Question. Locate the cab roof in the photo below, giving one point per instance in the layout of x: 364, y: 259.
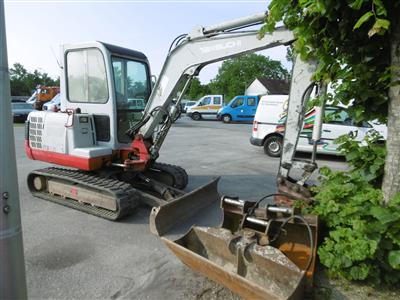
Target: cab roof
x: 124, y: 51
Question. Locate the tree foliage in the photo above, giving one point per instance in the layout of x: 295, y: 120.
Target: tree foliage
x: 236, y: 74
x: 350, y: 40
x: 196, y: 90
x: 23, y: 82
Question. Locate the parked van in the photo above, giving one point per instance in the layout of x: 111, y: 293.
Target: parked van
x: 206, y: 107
x: 188, y: 104
x: 269, y: 127
x: 240, y: 108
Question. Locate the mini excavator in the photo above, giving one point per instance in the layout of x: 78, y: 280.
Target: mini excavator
x: 107, y: 137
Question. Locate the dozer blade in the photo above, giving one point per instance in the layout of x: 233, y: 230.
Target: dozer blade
x: 258, y: 253
x: 171, y: 217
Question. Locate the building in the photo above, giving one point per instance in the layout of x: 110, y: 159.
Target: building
x: 267, y: 86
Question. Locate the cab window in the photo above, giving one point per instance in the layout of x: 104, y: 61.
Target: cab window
x: 365, y: 124
x: 251, y: 101
x: 86, y: 73
x: 238, y: 102
x: 337, y: 116
x: 131, y: 83
x: 132, y: 90
x: 205, y: 101
x: 217, y: 100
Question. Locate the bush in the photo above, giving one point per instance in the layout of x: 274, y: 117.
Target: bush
x: 363, y: 242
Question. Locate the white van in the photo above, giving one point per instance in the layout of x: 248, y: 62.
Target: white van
x: 206, y: 107
x: 268, y: 127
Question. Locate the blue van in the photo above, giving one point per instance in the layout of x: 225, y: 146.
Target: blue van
x: 240, y: 108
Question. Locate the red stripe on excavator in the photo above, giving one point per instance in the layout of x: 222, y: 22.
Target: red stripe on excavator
x: 81, y: 163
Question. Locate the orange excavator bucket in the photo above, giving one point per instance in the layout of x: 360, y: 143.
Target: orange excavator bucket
x: 257, y: 252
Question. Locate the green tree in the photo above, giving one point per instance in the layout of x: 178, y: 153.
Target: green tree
x: 196, y: 90
x: 237, y: 73
x: 23, y: 82
x: 290, y: 54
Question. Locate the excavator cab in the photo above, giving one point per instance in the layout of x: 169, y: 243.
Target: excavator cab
x: 104, y: 92
x: 109, y: 82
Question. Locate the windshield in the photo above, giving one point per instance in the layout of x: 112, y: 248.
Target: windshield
x: 132, y: 90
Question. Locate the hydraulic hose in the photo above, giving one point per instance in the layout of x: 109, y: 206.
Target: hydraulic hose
x: 310, y: 258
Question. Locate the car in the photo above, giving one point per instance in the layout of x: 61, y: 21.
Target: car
x: 20, y: 111
x: 188, y: 104
x: 269, y: 127
x: 240, y: 108
x: 136, y: 104
x: 205, y: 108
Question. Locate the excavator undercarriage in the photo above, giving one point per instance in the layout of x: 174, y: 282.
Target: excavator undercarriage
x: 110, y: 194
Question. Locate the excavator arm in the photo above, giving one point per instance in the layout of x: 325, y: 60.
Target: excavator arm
x: 189, y: 53
x: 204, y: 45
x: 248, y: 250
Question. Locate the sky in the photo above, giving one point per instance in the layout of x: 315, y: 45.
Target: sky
x: 36, y: 28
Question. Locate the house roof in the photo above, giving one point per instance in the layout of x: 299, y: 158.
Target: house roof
x: 275, y: 86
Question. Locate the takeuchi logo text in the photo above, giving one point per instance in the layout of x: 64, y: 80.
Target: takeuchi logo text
x: 221, y: 46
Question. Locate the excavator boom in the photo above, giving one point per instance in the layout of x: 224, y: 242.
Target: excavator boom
x: 191, y: 53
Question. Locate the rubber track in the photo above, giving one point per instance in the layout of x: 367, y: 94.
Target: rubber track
x: 126, y: 196
x: 180, y: 176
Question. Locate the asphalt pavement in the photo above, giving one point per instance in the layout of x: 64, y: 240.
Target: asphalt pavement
x: 70, y: 254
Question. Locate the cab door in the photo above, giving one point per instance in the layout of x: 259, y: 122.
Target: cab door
x: 203, y: 107
x: 216, y: 105
x: 237, y: 107
x: 217, y: 102
x: 250, y: 109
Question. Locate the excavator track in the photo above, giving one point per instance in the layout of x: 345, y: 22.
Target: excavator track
x: 178, y: 177
x: 65, y: 186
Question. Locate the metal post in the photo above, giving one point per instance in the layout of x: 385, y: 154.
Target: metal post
x: 319, y: 119
x: 12, y: 266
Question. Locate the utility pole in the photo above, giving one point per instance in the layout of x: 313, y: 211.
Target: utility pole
x: 12, y: 265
